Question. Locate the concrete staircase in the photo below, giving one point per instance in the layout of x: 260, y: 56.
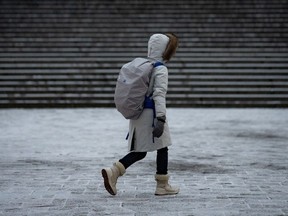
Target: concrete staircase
x: 68, y: 53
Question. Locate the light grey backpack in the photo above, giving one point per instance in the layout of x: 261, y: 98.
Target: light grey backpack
x: 132, y: 86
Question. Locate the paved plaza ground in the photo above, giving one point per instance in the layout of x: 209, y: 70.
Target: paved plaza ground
x: 226, y: 162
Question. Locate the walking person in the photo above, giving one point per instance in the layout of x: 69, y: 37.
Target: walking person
x: 150, y: 132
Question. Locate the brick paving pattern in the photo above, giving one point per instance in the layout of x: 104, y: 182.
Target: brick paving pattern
x: 226, y: 162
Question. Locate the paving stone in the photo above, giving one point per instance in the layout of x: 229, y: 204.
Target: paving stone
x: 221, y: 159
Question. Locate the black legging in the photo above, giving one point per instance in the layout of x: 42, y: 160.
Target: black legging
x: 161, y: 161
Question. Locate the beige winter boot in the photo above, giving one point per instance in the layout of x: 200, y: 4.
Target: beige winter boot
x: 111, y: 175
x: 163, y: 187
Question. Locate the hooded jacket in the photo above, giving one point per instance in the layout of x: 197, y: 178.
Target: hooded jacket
x: 140, y: 131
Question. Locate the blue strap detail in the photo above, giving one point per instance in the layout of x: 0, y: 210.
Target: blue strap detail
x: 149, y: 104
x: 154, y: 116
x: 158, y: 63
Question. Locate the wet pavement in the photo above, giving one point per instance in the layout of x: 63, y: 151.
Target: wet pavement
x: 225, y: 161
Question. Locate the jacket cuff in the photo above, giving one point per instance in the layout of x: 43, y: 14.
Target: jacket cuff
x: 161, y: 118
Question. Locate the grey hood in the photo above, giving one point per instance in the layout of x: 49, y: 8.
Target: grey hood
x: 157, y: 45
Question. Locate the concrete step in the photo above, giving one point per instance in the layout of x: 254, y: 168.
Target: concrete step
x: 155, y: 16
x: 175, y: 84
x: 119, y: 64
x: 173, y: 75
x: 275, y: 38
x: 49, y: 96
x: 201, y: 103
x: 224, y: 90
x: 113, y: 60
x: 143, y: 30
x: 211, y: 102
x: 145, y: 10
x: 44, y: 98
x: 143, y: 50
x: 152, y: 4
x: 131, y: 45
x: 176, y: 71
x: 138, y: 40
x: 109, y: 19
x: 147, y: 2
x: 110, y: 13
x: 65, y: 25
x: 104, y: 78
x: 253, y: 56
x: 90, y: 90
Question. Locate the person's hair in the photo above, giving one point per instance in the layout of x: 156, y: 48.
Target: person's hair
x: 171, y: 46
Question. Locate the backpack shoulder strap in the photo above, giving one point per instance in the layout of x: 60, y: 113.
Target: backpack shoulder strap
x: 157, y: 63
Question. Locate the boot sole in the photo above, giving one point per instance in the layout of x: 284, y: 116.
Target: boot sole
x: 106, y: 182
x: 165, y: 193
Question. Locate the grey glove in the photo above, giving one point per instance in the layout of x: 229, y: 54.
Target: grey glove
x: 159, y: 127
